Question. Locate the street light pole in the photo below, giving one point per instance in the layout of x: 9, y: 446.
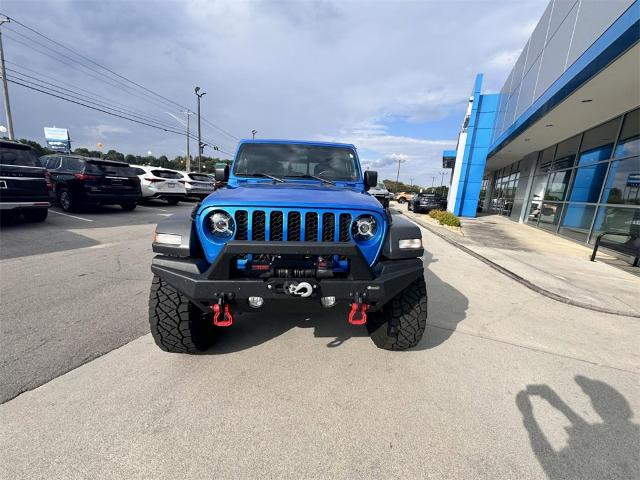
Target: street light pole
x: 5, y: 87
x: 199, y: 95
x: 398, y: 176
x: 253, y: 133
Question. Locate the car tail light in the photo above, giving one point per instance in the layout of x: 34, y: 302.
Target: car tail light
x: 47, y: 177
x: 84, y: 176
x: 153, y: 180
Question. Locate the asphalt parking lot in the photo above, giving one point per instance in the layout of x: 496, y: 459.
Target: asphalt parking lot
x: 505, y: 384
x: 73, y: 288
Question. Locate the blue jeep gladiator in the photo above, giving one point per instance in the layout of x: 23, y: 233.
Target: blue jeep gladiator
x: 295, y: 225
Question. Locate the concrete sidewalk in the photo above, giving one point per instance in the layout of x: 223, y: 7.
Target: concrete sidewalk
x: 551, y: 264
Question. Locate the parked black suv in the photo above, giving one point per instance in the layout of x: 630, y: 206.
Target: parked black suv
x: 425, y: 202
x: 78, y: 181
x: 23, y: 187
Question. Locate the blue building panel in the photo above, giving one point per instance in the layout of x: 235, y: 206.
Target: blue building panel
x: 479, y: 135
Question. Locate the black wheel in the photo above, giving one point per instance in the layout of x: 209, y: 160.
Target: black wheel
x: 401, y: 200
x: 177, y: 325
x: 38, y: 215
x: 402, y: 321
x: 409, y: 207
x: 127, y: 207
x: 172, y: 201
x: 66, y: 200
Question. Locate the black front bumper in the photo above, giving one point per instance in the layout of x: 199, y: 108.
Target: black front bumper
x: 204, y: 283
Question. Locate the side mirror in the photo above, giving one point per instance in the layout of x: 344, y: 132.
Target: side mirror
x: 222, y: 173
x: 370, y: 179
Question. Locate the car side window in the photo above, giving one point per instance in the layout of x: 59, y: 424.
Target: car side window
x: 53, y: 163
x: 139, y: 171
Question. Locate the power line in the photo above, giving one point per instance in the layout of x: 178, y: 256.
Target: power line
x: 62, y: 97
x: 41, y: 83
x: 217, y: 127
x: 108, y: 80
x: 62, y: 82
x: 101, y: 78
x: 95, y: 63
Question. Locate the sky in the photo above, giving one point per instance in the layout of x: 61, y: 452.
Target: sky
x: 391, y: 77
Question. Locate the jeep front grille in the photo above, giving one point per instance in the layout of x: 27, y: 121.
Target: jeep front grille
x: 293, y: 225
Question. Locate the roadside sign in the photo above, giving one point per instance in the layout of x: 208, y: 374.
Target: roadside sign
x: 57, y: 139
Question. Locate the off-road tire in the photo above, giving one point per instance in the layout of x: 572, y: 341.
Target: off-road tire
x: 177, y: 325
x: 402, y: 321
x: 36, y: 215
x: 173, y: 201
x: 129, y: 207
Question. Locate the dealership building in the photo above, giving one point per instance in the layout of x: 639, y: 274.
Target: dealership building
x: 559, y: 147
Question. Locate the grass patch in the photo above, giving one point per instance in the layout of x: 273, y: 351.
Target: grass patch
x: 445, y: 218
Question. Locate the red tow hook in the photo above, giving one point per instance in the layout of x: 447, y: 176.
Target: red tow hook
x: 360, y: 308
x: 227, y: 318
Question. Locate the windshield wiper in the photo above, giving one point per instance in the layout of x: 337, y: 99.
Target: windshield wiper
x: 308, y: 175
x: 263, y: 175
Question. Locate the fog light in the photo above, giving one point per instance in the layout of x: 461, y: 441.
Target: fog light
x: 168, y: 239
x: 256, y: 302
x: 328, y: 302
x: 410, y: 243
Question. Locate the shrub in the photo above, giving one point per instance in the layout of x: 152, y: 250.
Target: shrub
x: 445, y: 218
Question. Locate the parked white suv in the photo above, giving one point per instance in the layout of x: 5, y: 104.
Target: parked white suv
x: 198, y: 185
x: 156, y: 182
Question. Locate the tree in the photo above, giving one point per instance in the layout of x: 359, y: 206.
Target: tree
x: 39, y: 149
x: 114, y: 155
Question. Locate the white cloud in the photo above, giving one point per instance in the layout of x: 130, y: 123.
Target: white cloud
x: 303, y: 69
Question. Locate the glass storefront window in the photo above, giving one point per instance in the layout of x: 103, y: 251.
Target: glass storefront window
x: 544, y: 162
x: 597, y: 143
x: 550, y: 215
x: 557, y: 186
x: 625, y: 221
x: 587, y: 183
x: 629, y: 143
x: 576, y: 221
x: 566, y: 153
x: 623, y: 183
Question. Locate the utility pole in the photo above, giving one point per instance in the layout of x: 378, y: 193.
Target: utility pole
x: 398, y: 176
x: 253, y: 132
x: 5, y: 87
x: 200, y: 146
x: 433, y: 180
x: 442, y: 180
x: 187, y: 165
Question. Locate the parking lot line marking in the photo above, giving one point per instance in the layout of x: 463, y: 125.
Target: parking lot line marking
x: 72, y: 216
x: 153, y: 208
x: 164, y: 214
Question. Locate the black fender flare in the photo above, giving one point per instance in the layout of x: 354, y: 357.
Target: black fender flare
x: 181, y: 224
x: 401, y: 228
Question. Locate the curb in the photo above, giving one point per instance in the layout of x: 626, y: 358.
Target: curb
x: 521, y: 280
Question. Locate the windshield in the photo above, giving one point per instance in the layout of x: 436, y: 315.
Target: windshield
x: 23, y: 156
x: 282, y: 160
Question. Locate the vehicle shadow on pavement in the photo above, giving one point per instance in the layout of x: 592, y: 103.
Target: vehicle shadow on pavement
x: 252, y: 329
x: 593, y: 450
x: 447, y: 308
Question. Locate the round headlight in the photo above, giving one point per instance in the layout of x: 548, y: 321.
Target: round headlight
x: 364, y: 228
x: 221, y: 224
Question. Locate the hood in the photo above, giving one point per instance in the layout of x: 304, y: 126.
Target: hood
x: 293, y: 194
